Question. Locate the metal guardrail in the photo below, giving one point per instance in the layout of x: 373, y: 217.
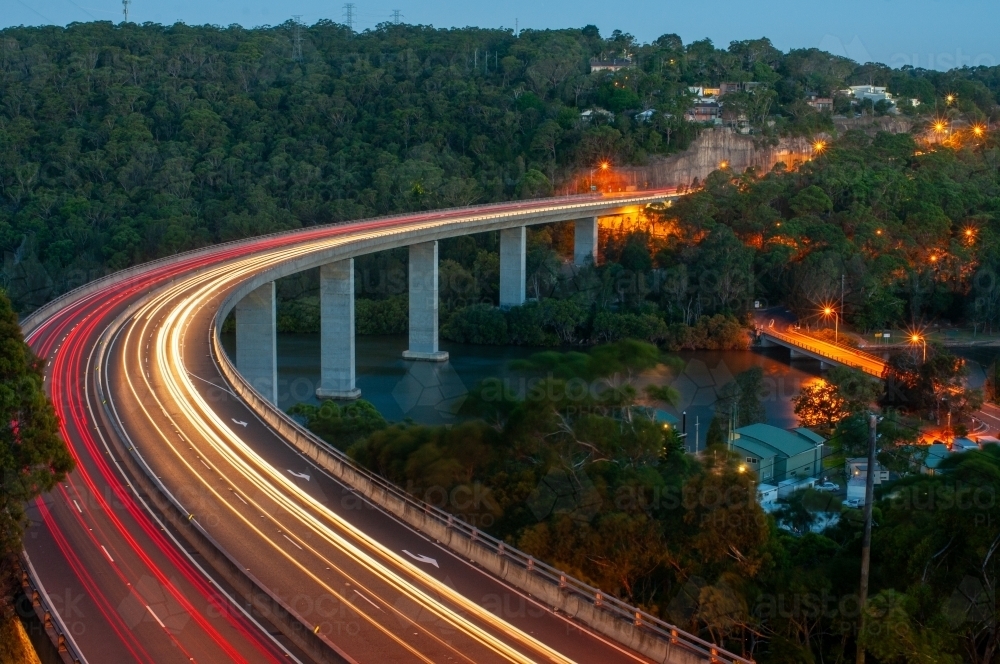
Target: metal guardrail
x: 798, y: 343
x: 51, y: 621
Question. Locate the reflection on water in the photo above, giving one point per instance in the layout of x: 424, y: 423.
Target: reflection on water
x: 431, y: 392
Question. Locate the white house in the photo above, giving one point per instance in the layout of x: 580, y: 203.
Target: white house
x: 856, y: 471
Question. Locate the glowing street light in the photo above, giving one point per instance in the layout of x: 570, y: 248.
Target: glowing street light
x: 949, y: 99
x: 915, y: 339
x: 603, y: 166
x: 830, y: 311
x: 819, y: 146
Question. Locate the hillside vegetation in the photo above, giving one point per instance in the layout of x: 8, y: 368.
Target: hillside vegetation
x: 123, y: 143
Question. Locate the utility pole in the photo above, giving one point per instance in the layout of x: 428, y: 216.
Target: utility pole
x: 866, y: 543
x: 696, y: 427
x: 349, y: 16
x: 395, y: 16
x: 297, y: 39
x: 125, y: 4
x: 841, y: 293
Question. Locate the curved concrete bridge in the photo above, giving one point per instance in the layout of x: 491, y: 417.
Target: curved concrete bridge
x: 158, y: 416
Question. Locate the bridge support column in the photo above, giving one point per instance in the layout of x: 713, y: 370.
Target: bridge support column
x: 585, y: 241
x: 336, y: 307
x: 256, y: 341
x: 512, y: 266
x: 795, y: 354
x: 424, y: 304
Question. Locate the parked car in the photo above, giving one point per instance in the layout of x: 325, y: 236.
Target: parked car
x: 828, y: 486
x: 853, y: 503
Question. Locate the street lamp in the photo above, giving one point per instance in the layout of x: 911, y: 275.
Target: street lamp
x: 828, y: 311
x: 604, y: 166
x: 916, y: 338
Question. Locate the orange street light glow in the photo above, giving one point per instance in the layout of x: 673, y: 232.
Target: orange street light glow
x: 605, y: 165
x: 723, y: 164
x: 819, y: 146
x: 828, y: 311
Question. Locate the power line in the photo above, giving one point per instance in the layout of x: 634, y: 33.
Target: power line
x: 349, y: 15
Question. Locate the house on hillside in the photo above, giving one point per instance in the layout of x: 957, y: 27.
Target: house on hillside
x: 935, y: 454
x: 821, y: 104
x: 704, y: 110
x: 778, y: 455
x: 856, y: 471
x: 744, y: 86
x: 613, y: 65
x: 703, y: 91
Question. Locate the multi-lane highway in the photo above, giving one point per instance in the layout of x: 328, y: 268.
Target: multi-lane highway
x: 143, y: 402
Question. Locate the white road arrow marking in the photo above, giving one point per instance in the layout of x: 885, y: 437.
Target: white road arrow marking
x: 299, y: 475
x: 422, y: 559
x: 242, y: 424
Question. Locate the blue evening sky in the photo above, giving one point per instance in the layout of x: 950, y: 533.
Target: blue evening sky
x: 934, y: 34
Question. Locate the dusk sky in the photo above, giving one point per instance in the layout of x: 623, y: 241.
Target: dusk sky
x: 924, y: 33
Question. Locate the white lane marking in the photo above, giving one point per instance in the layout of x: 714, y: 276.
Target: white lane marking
x: 369, y: 601
x: 301, y: 476
x: 291, y: 540
x: 155, y: 617
x: 107, y: 554
x: 78, y: 509
x: 242, y: 424
x: 240, y: 497
x: 422, y: 559
x: 209, y: 382
x: 205, y: 464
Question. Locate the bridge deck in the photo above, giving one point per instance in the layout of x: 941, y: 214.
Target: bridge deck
x: 826, y: 351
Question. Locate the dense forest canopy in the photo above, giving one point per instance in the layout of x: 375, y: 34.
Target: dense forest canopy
x: 122, y: 143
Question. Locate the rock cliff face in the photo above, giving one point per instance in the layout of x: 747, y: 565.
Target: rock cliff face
x: 713, y: 149
x: 718, y: 146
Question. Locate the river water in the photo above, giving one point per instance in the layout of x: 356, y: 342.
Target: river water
x: 430, y: 393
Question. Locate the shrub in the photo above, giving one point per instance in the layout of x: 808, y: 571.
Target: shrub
x: 477, y: 324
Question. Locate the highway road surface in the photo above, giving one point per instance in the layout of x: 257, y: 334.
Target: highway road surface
x: 136, y: 385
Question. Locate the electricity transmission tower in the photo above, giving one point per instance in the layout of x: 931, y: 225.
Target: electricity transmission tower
x: 396, y: 16
x: 297, y: 40
x: 349, y: 16
x: 125, y: 4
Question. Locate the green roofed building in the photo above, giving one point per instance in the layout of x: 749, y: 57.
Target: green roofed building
x: 777, y: 454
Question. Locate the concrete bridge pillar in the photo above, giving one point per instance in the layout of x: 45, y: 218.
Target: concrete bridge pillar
x: 424, y: 304
x: 512, y: 266
x: 585, y: 241
x: 336, y: 305
x: 256, y: 341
